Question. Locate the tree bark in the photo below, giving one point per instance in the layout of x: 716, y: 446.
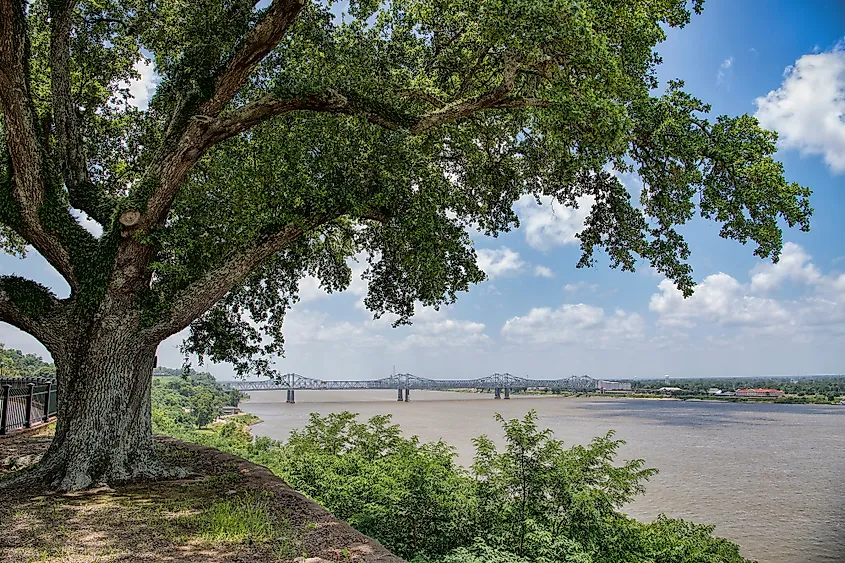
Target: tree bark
x: 103, y: 428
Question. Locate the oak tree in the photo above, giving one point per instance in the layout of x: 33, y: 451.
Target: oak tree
x: 285, y: 136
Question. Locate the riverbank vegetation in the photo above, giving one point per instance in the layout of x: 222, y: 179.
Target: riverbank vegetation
x: 534, y: 500
x: 824, y: 389
x: 188, y: 400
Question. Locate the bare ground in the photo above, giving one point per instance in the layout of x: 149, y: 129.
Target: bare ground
x: 229, y: 510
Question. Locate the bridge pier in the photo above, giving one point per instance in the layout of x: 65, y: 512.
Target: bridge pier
x: 507, y: 392
x: 407, y: 394
x: 399, y: 394
x: 291, y: 397
x: 497, y: 393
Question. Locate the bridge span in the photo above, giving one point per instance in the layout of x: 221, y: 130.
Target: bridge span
x: 501, y: 383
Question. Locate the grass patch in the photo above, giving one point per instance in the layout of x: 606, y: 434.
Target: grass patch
x: 237, y: 520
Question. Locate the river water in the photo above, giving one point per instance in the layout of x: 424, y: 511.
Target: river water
x: 770, y: 477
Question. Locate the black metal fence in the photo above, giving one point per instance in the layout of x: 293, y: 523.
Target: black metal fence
x: 26, y: 402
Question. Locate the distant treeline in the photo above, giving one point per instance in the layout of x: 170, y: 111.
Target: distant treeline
x: 14, y: 363
x: 186, y: 401
x: 833, y: 386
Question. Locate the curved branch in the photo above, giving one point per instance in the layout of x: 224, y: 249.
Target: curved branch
x: 332, y: 101
x: 32, y: 308
x: 202, y: 294
x: 257, y: 43
x: 171, y: 166
x: 28, y: 183
x: 82, y: 193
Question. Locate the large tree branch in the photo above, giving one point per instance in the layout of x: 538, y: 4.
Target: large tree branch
x: 82, y: 193
x: 332, y: 101
x: 203, y: 293
x: 28, y: 182
x: 32, y: 308
x: 173, y: 163
x: 257, y: 43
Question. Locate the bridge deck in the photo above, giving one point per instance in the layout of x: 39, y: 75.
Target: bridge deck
x: 409, y: 381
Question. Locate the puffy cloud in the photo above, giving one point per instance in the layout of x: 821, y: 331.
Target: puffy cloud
x: 578, y: 286
x: 808, y: 110
x: 433, y: 328
x: 499, y: 262
x: 307, y: 326
x: 543, y: 272
x: 551, y: 224
x: 310, y: 290
x: 721, y: 299
x: 574, y: 323
x: 794, y: 265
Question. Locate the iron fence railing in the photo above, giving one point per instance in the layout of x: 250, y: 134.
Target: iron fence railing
x: 25, y: 402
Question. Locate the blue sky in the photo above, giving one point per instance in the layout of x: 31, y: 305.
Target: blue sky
x: 539, y: 316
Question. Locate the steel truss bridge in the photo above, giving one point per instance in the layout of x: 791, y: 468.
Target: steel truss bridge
x: 500, y: 383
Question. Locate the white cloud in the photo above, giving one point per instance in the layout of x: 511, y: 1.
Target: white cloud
x: 499, y: 262
x: 574, y: 323
x: 794, y: 265
x: 306, y: 326
x: 142, y: 89
x: 551, y: 224
x: 543, y: 272
x: 808, y: 110
x: 578, y: 286
x: 310, y: 290
x: 722, y: 300
x: 434, y: 329
x: 724, y: 69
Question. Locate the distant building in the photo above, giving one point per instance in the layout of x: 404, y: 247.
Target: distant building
x: 613, y: 387
x: 230, y: 410
x: 714, y: 391
x: 670, y: 389
x: 759, y: 393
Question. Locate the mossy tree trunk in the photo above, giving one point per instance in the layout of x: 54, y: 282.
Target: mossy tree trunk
x: 103, y: 428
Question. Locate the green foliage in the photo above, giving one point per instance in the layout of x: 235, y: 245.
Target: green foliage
x: 808, y: 389
x: 416, y: 119
x: 181, y: 402
x: 14, y: 363
x: 533, y: 501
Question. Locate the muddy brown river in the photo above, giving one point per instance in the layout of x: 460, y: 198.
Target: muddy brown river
x: 770, y: 477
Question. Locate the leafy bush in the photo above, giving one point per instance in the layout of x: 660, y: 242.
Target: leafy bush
x: 532, y: 501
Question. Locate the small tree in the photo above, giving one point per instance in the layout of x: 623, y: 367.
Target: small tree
x: 203, y: 408
x: 283, y: 140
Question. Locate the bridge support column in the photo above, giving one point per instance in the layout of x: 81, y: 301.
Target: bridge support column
x: 291, y: 398
x: 507, y: 392
x: 497, y: 394
x: 407, y: 394
x: 399, y: 394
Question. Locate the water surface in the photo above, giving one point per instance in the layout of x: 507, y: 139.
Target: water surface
x: 770, y: 477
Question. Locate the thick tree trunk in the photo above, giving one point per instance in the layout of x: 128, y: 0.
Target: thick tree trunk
x: 103, y: 428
